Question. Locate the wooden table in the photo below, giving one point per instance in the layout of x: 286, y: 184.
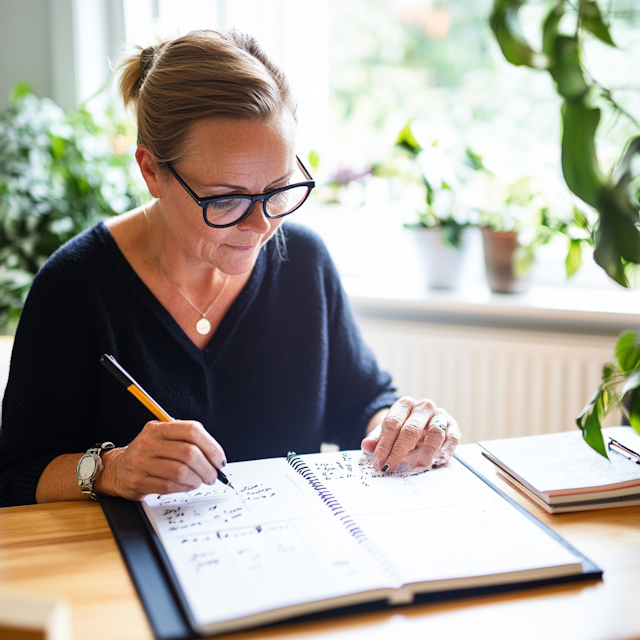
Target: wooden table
x: 67, y: 550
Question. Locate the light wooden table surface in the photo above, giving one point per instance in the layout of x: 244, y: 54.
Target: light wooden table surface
x: 67, y: 550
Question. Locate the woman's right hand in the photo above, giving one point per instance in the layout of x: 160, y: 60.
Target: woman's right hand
x: 165, y: 457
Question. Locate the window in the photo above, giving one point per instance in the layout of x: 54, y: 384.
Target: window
x: 363, y: 68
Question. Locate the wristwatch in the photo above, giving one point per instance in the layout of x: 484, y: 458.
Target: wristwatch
x: 90, y: 466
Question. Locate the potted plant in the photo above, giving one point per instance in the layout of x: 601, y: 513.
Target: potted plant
x: 441, y: 232
x: 59, y: 174
x: 514, y: 221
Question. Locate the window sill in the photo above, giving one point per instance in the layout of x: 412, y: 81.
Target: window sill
x: 380, y: 271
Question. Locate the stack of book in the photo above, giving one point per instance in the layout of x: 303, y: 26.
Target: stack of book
x: 561, y: 472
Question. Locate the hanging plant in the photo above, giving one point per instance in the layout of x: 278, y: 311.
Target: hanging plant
x: 617, y: 239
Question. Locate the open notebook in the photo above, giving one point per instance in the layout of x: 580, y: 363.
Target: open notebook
x: 316, y: 532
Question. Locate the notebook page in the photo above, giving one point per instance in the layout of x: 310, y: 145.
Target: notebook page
x: 271, y: 543
x: 443, y: 524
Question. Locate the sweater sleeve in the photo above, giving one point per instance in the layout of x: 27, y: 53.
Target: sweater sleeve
x: 41, y: 417
x: 356, y: 387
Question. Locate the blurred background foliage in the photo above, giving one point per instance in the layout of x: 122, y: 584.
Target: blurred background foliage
x: 438, y: 63
x: 59, y: 174
x: 392, y: 61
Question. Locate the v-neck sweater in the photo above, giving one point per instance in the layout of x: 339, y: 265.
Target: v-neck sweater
x: 285, y: 370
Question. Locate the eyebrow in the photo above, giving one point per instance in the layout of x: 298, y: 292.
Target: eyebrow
x: 239, y: 188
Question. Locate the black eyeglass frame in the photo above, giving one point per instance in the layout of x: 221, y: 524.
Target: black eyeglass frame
x: 261, y: 197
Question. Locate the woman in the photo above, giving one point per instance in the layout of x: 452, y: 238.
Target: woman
x: 251, y: 340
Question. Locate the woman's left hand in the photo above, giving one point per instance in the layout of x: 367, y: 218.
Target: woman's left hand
x: 413, y: 430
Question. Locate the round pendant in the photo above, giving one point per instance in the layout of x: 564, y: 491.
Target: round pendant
x: 203, y: 326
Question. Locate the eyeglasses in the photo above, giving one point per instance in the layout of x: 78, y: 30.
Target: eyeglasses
x: 228, y: 210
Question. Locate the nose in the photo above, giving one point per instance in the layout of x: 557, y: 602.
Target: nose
x: 256, y: 221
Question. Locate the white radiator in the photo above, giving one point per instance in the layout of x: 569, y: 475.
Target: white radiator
x: 497, y: 383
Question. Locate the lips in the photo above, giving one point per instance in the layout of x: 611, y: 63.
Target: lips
x: 242, y: 247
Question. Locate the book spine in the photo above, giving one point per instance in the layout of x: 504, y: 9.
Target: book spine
x: 301, y: 467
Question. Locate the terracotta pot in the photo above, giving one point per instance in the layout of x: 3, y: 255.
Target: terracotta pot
x: 444, y: 264
x: 500, y: 249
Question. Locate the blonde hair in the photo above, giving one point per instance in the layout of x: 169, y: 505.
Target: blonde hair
x: 203, y: 74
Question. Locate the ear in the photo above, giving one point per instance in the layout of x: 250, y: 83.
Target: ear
x: 149, y: 169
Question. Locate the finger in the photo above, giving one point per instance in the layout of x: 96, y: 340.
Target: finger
x: 452, y: 440
x: 411, y: 433
x: 139, y: 476
x: 193, y: 432
x: 390, y: 430
x: 369, y: 443
x: 425, y: 454
x: 189, y: 455
x: 168, y: 476
x: 170, y: 441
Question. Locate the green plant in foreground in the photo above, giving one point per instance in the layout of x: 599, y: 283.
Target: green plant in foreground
x: 617, y: 239
x: 619, y: 389
x: 59, y: 174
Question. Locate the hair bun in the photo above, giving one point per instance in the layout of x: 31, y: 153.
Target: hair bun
x: 146, y: 59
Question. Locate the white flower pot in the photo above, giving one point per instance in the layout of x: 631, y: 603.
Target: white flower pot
x: 443, y: 264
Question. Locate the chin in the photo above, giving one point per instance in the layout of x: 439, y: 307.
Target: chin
x: 241, y: 263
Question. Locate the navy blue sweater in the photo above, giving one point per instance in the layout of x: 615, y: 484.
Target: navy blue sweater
x: 285, y: 370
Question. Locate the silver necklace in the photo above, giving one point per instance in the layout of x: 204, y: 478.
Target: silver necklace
x: 203, y: 326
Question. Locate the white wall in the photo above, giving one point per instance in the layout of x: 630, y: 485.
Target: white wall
x: 25, y: 46
x: 40, y: 41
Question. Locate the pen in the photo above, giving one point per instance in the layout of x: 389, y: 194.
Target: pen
x: 113, y: 367
x: 620, y: 448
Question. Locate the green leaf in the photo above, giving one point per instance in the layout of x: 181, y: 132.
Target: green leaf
x: 314, y: 159
x: 634, y: 413
x: 617, y: 236
x: 550, y: 30
x: 452, y: 232
x: 627, y: 351
x: 574, y: 257
x: 580, y: 219
x: 623, y: 168
x: 475, y: 161
x: 591, y: 19
x: 592, y: 433
x: 567, y: 70
x: 589, y: 422
x: 407, y: 141
x: 505, y: 24
x: 589, y: 406
x: 20, y: 90
x: 57, y: 147
x: 579, y: 162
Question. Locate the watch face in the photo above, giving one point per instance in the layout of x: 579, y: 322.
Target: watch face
x: 87, y: 467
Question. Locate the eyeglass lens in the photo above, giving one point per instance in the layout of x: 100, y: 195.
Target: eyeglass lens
x: 230, y: 209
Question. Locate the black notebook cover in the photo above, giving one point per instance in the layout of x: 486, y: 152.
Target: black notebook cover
x: 164, y: 604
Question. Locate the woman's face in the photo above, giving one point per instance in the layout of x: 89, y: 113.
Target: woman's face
x: 225, y: 157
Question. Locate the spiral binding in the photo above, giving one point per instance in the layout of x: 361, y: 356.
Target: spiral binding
x: 332, y: 502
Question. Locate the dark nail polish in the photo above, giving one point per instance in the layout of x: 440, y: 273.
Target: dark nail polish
x: 224, y: 463
x: 386, y: 466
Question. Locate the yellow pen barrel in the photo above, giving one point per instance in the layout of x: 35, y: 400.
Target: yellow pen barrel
x: 150, y: 404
